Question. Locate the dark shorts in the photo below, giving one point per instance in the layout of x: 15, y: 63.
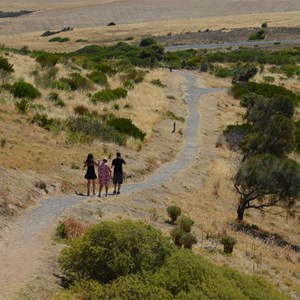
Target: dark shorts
x: 118, y: 178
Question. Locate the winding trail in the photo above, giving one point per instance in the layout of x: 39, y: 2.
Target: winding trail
x: 22, y: 244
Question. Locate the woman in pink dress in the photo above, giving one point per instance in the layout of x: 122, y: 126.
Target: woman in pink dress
x: 104, y: 174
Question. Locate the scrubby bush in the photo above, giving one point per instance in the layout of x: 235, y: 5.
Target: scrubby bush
x: 43, y: 121
x: 109, y: 250
x: 176, y: 235
x: 147, y: 42
x: 47, y: 59
x: 135, y: 262
x: 158, y: 83
x: 60, y: 85
x: 185, y: 223
x: 103, y: 96
x: 126, y: 126
x: 94, y: 128
x: 54, y: 98
x: 59, y: 39
x: 259, y: 35
x: 188, y: 240
x: 174, y: 212
x: 109, y: 95
x: 105, y: 68
x: 22, y: 106
x: 263, y: 89
x: 268, y: 79
x: 76, y: 81
x: 98, y: 77
x: 22, y: 89
x: 5, y: 68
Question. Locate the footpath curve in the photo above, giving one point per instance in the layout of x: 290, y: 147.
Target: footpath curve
x: 22, y: 243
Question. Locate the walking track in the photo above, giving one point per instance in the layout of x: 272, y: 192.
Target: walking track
x: 22, y: 243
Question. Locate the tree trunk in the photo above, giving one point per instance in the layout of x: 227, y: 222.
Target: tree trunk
x: 241, y: 210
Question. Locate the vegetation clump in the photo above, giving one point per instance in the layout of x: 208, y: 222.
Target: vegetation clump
x: 128, y: 260
x: 125, y: 125
x: 22, y: 89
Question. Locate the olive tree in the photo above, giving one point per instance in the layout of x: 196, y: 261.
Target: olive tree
x: 267, y: 181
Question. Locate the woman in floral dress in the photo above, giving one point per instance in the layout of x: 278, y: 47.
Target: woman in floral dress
x: 104, y: 174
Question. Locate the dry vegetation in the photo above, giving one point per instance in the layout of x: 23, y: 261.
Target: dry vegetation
x: 31, y: 156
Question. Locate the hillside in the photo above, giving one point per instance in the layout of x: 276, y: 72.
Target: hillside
x: 83, y: 96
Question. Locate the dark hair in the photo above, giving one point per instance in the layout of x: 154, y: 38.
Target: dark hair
x: 90, y: 158
x: 118, y: 154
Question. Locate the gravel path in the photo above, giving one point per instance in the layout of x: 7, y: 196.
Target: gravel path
x: 24, y: 243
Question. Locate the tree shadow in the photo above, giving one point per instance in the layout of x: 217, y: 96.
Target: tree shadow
x: 265, y: 236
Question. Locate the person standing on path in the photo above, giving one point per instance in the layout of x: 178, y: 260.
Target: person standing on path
x: 104, y: 174
x: 117, y: 166
x: 90, y: 174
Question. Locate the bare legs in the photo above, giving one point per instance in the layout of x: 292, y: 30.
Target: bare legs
x: 89, y: 181
x: 101, y: 187
x: 115, y: 188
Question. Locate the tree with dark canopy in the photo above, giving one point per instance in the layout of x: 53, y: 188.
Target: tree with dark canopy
x: 267, y: 181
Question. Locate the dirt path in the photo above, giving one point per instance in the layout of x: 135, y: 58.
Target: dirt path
x: 25, y: 245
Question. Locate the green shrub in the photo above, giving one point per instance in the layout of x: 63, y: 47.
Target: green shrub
x: 105, y: 68
x: 174, y: 212
x: 185, y: 223
x: 47, y: 59
x: 59, y: 39
x: 23, y: 89
x: 60, y: 85
x: 109, y: 250
x: 94, y: 128
x: 189, y: 276
x: 264, y: 25
x: 124, y: 125
x: 158, y: 83
x: 103, y: 96
x: 263, y: 89
x: 176, y: 235
x: 120, y: 92
x: 98, y: 77
x: 22, y: 106
x: 268, y: 79
x: 54, y: 98
x: 222, y: 72
x: 259, y: 35
x: 43, y: 121
x: 109, y: 95
x: 76, y: 81
x: 188, y: 240
x: 147, y: 42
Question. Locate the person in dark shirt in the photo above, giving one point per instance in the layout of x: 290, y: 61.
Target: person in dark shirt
x: 117, y: 167
x: 90, y: 174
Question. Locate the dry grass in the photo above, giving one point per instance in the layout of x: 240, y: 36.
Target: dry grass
x: 31, y: 153
x: 99, y: 34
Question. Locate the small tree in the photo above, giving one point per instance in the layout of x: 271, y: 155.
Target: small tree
x: 5, y: 68
x: 267, y: 181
